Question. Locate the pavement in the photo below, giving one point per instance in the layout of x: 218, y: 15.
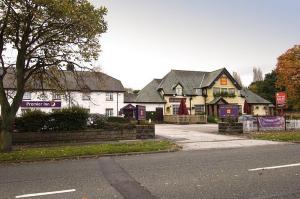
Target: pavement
x: 214, y: 173
x: 205, y: 136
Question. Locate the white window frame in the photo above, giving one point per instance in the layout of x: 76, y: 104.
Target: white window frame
x: 27, y: 96
x: 109, y: 112
x: 179, y: 91
x: 56, y: 96
x: 202, y: 108
x: 109, y: 97
x: 175, y: 109
x: 231, y: 89
x: 216, y: 89
x: 198, y: 91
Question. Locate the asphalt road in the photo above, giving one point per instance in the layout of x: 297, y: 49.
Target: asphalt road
x: 216, y: 173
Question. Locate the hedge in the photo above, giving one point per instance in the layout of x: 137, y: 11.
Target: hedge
x: 33, y: 120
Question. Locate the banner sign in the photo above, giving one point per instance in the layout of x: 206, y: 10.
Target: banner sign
x: 41, y: 104
x: 271, y: 122
x: 281, y: 99
x: 228, y: 110
x: 140, y: 112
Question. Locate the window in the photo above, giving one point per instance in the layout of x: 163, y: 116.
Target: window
x: 199, y: 109
x: 86, y: 96
x: 56, y: 96
x: 216, y: 91
x: 109, y: 112
x: 27, y: 96
x: 223, y: 90
x: 231, y: 91
x: 109, y: 97
x: 175, y: 109
x: 178, y: 90
x: 198, y: 91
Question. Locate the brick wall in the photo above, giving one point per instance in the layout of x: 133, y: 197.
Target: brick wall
x: 230, y: 128
x: 145, y: 131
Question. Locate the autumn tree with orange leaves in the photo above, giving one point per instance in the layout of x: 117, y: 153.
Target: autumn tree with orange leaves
x: 288, y: 75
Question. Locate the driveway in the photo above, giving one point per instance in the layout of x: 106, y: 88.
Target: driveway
x: 204, y: 136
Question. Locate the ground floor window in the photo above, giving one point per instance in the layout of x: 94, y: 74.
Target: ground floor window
x: 175, y: 109
x: 109, y: 112
x: 199, y: 109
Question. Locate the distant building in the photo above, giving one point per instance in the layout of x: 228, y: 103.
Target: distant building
x: 203, y: 93
x: 94, y: 91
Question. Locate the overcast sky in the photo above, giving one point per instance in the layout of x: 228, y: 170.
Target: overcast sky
x: 146, y: 39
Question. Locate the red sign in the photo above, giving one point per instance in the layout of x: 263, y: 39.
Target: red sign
x: 280, y: 99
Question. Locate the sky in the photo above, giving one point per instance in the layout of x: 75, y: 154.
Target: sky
x: 146, y: 39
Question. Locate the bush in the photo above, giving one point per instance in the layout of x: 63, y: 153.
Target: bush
x: 151, y: 115
x: 211, y: 119
x: 96, y: 119
x: 67, y: 119
x: 118, y: 120
x: 34, y: 121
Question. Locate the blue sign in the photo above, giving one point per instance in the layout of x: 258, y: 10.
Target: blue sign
x: 228, y: 110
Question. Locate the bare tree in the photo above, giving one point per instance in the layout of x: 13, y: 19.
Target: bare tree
x: 237, y: 78
x: 257, y: 74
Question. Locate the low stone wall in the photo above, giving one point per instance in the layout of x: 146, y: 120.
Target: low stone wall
x: 145, y: 131
x: 185, y: 119
x: 230, y: 128
x: 141, y: 132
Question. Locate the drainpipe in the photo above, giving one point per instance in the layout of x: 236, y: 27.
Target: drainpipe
x: 190, y: 105
x: 117, y: 104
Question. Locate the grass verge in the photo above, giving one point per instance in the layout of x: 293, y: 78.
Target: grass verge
x: 285, y: 136
x: 42, y: 153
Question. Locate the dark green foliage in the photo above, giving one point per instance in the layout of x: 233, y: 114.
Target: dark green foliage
x: 74, y: 118
x: 151, y: 115
x: 211, y: 119
x: 96, y: 120
x: 34, y: 121
x: 118, y: 120
x: 266, y: 88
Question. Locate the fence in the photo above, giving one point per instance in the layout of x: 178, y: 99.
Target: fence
x: 185, y: 119
x: 250, y: 126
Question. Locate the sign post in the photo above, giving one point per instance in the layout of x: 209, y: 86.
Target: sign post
x: 281, y: 104
x: 140, y: 113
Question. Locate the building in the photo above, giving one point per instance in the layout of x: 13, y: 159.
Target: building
x: 94, y: 91
x: 203, y: 93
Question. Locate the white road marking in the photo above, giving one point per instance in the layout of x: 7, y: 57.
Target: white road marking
x: 275, y: 167
x: 45, y: 193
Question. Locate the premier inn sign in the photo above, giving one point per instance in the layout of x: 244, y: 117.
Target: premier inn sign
x: 41, y: 104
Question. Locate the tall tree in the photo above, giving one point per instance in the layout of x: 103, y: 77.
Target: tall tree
x: 288, y: 75
x: 237, y: 78
x: 46, y: 36
x: 266, y: 88
x: 257, y: 74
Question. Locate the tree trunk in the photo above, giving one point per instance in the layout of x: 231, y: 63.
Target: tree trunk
x: 6, y: 136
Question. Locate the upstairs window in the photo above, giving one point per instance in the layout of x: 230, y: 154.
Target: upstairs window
x: 198, y: 91
x: 216, y: 91
x: 231, y: 91
x: 56, y: 96
x: 178, y: 90
x: 86, y: 96
x: 27, y: 96
x: 224, y: 90
x: 223, y: 80
x: 109, y: 97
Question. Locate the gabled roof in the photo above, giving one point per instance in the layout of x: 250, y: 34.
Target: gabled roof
x: 149, y: 93
x: 72, y: 81
x: 217, y: 100
x: 190, y: 80
x: 253, y: 98
x: 130, y: 97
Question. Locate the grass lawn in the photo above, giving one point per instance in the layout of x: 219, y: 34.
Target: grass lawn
x: 30, y: 154
x: 285, y: 136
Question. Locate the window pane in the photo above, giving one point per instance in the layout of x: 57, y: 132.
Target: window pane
x: 175, y: 109
x: 109, y: 97
x: 199, y: 109
x: 216, y: 90
x: 27, y: 96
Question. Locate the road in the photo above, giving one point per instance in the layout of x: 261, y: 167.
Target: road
x: 204, y: 136
x: 215, y: 173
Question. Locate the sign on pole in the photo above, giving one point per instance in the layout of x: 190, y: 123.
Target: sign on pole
x: 281, y: 99
x: 140, y: 112
x: 228, y: 110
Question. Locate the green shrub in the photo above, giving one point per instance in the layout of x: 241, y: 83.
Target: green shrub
x: 33, y: 120
x: 96, y: 119
x: 67, y: 119
x: 211, y: 119
x: 118, y: 120
x: 151, y: 115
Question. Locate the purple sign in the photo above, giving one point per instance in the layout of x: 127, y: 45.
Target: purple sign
x: 228, y: 110
x: 271, y: 121
x: 140, y: 112
x: 41, y: 104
